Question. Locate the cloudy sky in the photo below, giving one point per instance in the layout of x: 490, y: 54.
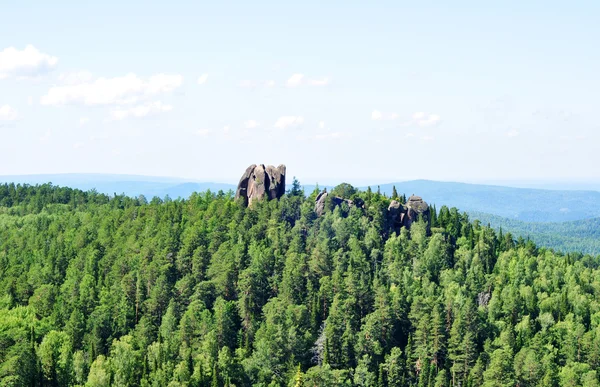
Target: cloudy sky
x: 360, y: 91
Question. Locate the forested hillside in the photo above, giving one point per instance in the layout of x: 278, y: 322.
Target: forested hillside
x: 130, y: 185
x: 576, y: 236
x: 561, y: 204
x: 100, y: 291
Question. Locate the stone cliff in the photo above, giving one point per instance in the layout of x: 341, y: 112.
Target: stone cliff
x: 320, y: 202
x: 259, y: 181
x: 403, y: 215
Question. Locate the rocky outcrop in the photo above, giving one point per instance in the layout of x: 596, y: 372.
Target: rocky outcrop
x: 400, y: 215
x: 335, y: 200
x: 242, y: 188
x: 396, y: 213
x: 259, y: 181
x: 403, y: 215
x: 320, y: 202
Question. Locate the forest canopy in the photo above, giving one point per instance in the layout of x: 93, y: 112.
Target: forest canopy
x: 101, y: 290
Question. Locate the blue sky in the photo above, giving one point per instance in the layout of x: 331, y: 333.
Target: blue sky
x: 357, y: 91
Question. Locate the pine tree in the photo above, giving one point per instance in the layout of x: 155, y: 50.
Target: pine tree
x: 215, y: 378
x: 433, y: 216
x: 438, y: 337
x: 296, y: 189
x: 298, y: 377
x: 462, y: 344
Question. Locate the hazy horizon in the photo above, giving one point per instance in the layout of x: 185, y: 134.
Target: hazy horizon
x: 359, y: 182
x: 468, y: 92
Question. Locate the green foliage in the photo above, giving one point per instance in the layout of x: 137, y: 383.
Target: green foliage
x: 101, y: 291
x: 296, y: 189
x: 578, y: 236
x: 344, y: 190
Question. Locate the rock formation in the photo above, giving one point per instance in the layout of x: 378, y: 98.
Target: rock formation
x: 400, y: 215
x: 320, y: 202
x: 259, y: 180
x: 336, y: 200
x: 404, y: 215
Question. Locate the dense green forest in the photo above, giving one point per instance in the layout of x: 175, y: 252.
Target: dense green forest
x: 98, y: 291
x: 575, y: 236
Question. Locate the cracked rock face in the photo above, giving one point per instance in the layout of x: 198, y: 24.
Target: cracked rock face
x: 336, y: 200
x: 404, y: 215
x: 260, y: 180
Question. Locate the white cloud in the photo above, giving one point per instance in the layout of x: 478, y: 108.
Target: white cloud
x: 78, y: 145
x: 253, y: 84
x: 99, y: 136
x: 248, y: 84
x: 202, y: 79
x: 299, y: 79
x: 74, y: 78
x: 326, y: 136
x: 322, y: 125
x: 329, y: 136
x: 427, y: 138
x: 140, y: 111
x: 285, y: 122
x: 319, y: 82
x: 295, y: 80
x: 27, y: 63
x: 30, y: 100
x: 512, y: 133
x: 203, y: 132
x: 409, y: 135
x: 424, y: 120
x: 83, y: 121
x: 420, y: 119
x: 112, y: 91
x: 251, y: 124
x: 45, y: 137
x: 7, y: 113
x: 226, y: 129
x: 377, y: 115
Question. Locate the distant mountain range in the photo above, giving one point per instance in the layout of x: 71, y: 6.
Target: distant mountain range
x: 522, y: 204
x: 525, y: 204
x: 130, y: 185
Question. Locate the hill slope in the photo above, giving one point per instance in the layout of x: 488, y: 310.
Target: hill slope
x: 580, y: 235
x: 130, y: 185
x: 526, y: 204
x: 98, y: 290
